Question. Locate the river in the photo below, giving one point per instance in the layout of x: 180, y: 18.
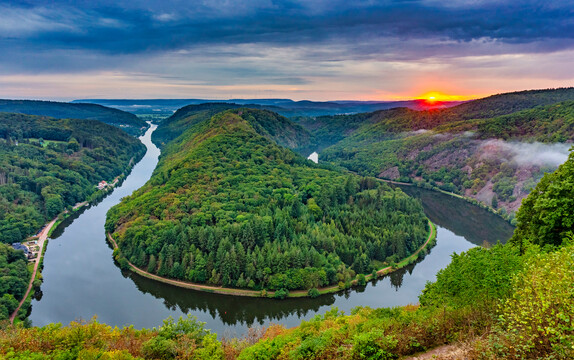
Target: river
x: 81, y: 279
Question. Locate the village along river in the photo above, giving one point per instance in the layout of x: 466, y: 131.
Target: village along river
x: 81, y: 279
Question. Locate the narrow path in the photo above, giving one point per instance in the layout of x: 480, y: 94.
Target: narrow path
x: 41, y: 239
x: 444, y: 352
x: 79, y: 205
x: 395, y: 182
x: 257, y: 293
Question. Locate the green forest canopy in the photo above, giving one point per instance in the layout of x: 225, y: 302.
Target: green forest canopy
x: 130, y: 123
x: 228, y: 206
x: 49, y: 164
x: 14, y: 278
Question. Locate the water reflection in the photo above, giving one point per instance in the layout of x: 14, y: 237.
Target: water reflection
x: 475, y: 224
x: 231, y: 310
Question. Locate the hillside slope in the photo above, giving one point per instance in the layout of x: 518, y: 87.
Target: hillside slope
x: 126, y: 121
x: 331, y: 129
x: 496, y: 160
x: 49, y: 164
x: 269, y: 124
x: 228, y: 206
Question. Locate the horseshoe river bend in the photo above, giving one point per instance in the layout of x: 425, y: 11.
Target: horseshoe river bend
x: 81, y: 279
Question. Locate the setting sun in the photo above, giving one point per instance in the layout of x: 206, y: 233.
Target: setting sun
x: 433, y: 96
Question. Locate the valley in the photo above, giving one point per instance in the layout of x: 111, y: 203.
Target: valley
x: 119, y: 297
x: 226, y: 221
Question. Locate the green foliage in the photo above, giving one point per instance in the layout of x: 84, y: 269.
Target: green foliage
x: 37, y: 182
x: 185, y: 339
x: 546, y: 216
x: 14, y: 278
x: 184, y: 326
x: 121, y: 119
x: 365, y: 334
x: 227, y: 206
x: 477, y: 278
x: 281, y: 294
x: 313, y: 293
x: 159, y: 348
x: 374, y: 345
x: 535, y: 322
x: 185, y: 118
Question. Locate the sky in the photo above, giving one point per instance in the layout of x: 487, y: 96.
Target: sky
x: 307, y: 49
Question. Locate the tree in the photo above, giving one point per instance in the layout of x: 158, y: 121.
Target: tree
x: 546, y: 215
x: 494, y: 202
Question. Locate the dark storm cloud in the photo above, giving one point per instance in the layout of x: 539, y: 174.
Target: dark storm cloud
x: 87, y: 34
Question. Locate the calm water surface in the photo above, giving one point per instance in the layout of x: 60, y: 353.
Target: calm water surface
x: 81, y: 279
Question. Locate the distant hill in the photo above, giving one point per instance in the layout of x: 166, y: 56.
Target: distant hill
x: 331, y: 129
x: 285, y: 107
x: 483, y: 148
x: 61, y: 110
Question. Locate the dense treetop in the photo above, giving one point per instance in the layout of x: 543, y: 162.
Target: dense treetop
x: 48, y: 164
x: 14, y: 278
x: 547, y: 214
x: 124, y: 120
x: 228, y: 206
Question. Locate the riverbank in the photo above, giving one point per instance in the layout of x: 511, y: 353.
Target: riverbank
x: 49, y: 228
x: 46, y: 232
x: 42, y: 237
x: 270, y: 294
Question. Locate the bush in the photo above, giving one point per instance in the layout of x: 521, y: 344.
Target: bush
x: 184, y: 326
x: 281, y: 294
x: 374, y: 345
x: 313, y: 293
x: 536, y: 321
x: 159, y: 348
x: 476, y: 278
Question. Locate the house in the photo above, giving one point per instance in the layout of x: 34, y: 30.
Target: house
x: 102, y: 185
x: 18, y: 246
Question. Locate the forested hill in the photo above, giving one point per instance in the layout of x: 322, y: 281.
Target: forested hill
x: 228, y: 206
x: 496, y: 160
x: 265, y: 122
x: 48, y: 164
x: 185, y: 118
x: 61, y: 110
x: 510, y: 301
x: 331, y: 129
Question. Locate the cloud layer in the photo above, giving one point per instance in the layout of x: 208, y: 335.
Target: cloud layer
x: 291, y: 46
x: 528, y: 154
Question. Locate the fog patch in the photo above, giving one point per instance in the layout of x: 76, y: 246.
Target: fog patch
x: 417, y: 132
x: 442, y: 136
x: 527, y: 154
x: 314, y: 157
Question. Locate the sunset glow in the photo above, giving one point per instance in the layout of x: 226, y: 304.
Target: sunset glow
x: 306, y: 51
x: 434, y: 96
